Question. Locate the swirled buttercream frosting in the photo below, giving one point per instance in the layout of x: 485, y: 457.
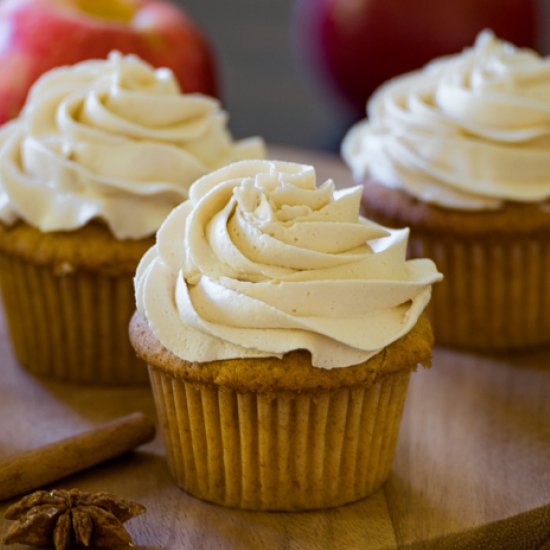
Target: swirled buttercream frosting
x: 260, y: 261
x: 114, y: 140
x: 469, y: 131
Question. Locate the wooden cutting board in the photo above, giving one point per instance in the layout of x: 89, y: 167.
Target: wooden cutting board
x: 472, y: 468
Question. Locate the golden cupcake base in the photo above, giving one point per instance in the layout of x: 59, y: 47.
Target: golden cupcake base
x: 495, y: 295
x: 67, y: 320
x: 280, y: 434
x: 287, y: 451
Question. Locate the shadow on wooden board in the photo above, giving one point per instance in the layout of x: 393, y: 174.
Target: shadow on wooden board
x: 527, y: 531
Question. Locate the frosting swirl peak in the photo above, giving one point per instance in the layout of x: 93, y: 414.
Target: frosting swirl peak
x: 260, y: 261
x: 469, y: 131
x: 111, y: 139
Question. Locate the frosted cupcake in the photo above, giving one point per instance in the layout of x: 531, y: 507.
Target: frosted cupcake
x: 101, y: 153
x: 459, y: 151
x: 280, y: 329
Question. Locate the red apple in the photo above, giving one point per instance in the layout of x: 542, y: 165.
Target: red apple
x: 37, y: 35
x: 355, y: 45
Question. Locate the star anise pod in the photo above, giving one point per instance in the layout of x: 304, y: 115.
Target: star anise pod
x: 71, y: 517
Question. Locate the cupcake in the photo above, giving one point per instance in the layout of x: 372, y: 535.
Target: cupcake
x: 280, y: 330
x: 459, y: 152
x: 101, y: 153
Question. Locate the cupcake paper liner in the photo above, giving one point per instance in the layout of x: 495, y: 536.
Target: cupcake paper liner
x: 279, y: 451
x: 495, y: 295
x: 70, y: 326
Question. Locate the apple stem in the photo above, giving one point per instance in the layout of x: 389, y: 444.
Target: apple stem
x: 121, y: 11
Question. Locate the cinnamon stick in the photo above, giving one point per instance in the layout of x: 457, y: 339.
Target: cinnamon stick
x: 32, y: 469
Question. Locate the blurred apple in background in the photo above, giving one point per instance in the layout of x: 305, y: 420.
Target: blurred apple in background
x: 36, y: 35
x: 352, y: 46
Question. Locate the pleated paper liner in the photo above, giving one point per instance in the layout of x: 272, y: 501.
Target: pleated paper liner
x: 70, y: 327
x: 495, y: 295
x: 279, y: 451
x: 68, y: 298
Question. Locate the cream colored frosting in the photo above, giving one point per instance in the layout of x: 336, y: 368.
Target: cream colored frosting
x: 259, y: 261
x: 114, y: 140
x: 468, y: 131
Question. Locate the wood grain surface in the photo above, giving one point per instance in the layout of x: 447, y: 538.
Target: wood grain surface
x: 472, y: 468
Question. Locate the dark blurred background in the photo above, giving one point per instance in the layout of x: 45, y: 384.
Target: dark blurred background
x: 262, y: 84
x: 270, y: 89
